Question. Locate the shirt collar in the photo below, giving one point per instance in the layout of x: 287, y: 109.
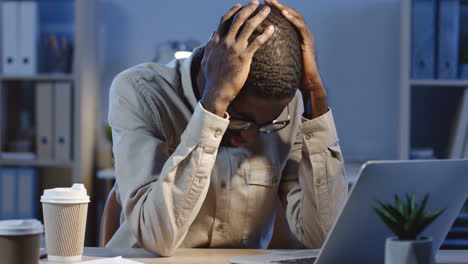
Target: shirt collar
x: 186, y: 78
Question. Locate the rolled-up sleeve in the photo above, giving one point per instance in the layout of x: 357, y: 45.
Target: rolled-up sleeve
x: 313, y: 188
x: 161, y: 192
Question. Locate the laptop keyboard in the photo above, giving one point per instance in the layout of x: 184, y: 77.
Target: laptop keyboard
x: 295, y: 261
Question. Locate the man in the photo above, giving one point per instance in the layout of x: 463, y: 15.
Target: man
x: 204, y: 147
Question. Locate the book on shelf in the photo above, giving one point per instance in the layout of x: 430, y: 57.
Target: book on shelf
x: 464, y: 71
x: 465, y: 153
x: 9, y: 31
x: 18, y: 156
x: 18, y: 193
x: 460, y: 135
x: 2, y: 118
x: 464, y: 40
x: 28, y: 37
x: 8, y: 193
x: 448, y: 39
x: 423, y: 46
x: 26, y: 193
x: 19, y: 37
x: 44, y: 120
x: 62, y: 117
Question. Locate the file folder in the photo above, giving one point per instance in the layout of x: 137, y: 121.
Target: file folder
x: 423, y: 32
x: 28, y: 38
x: 2, y: 117
x: 448, y: 31
x: 26, y: 193
x: 10, y: 41
x: 44, y: 122
x: 464, y: 40
x: 63, y: 117
x: 464, y: 71
x: 460, y: 135
x: 7, y: 193
x: 466, y: 148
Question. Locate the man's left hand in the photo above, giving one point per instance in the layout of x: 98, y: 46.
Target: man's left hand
x: 311, y: 85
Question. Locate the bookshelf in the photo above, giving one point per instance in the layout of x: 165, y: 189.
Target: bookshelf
x: 426, y: 119
x: 38, y: 77
x: 84, y: 80
x: 440, y: 83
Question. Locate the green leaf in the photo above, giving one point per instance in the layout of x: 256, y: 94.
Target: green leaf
x: 414, y: 220
x: 396, y: 214
x: 428, y: 218
x: 399, y: 206
x: 383, y: 210
x: 411, y: 204
x: 391, y: 225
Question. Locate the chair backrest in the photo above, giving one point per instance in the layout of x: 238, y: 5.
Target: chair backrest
x: 282, y: 238
x: 110, y: 220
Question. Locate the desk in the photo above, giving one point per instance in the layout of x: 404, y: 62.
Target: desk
x: 218, y: 256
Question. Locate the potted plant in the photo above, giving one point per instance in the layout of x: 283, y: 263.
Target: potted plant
x: 407, y: 220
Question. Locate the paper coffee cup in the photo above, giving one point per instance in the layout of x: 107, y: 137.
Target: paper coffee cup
x: 20, y: 241
x: 65, y: 211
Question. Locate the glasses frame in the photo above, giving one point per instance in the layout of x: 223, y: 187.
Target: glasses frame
x: 261, y: 128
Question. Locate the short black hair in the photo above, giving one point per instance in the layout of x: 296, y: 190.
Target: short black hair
x: 276, y: 69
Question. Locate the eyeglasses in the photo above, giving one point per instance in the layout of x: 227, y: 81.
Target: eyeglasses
x: 275, y: 125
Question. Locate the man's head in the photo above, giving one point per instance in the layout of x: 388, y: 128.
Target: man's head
x: 276, y: 68
x: 273, y: 79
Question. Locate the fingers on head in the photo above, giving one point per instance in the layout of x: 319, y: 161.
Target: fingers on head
x: 241, y: 17
x: 224, y: 19
x: 251, y: 24
x: 261, y: 39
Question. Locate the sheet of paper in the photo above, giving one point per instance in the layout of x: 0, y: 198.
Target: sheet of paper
x: 116, y: 260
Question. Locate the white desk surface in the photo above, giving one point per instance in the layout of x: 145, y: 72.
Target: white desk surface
x: 188, y: 256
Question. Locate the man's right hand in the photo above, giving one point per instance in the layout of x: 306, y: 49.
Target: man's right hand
x: 227, y: 58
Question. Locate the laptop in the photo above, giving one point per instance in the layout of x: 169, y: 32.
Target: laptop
x: 358, y: 235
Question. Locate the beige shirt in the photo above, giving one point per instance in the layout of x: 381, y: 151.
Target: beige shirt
x: 179, y: 188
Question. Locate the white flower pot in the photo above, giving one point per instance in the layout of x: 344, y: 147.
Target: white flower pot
x: 409, y: 251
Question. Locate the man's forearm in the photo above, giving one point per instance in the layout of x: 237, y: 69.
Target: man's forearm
x: 315, y: 100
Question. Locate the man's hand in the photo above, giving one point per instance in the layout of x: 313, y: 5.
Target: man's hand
x: 227, y: 58
x: 311, y: 85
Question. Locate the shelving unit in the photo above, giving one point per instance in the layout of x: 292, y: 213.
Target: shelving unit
x: 85, y: 89
x: 418, y: 98
x: 440, y: 83
x: 38, y: 77
x: 35, y: 163
x: 428, y: 115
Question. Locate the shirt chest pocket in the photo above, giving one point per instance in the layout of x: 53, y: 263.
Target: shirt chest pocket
x: 263, y: 176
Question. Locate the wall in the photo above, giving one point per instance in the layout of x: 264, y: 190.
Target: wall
x: 357, y: 44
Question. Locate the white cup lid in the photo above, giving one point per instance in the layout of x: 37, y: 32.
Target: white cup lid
x: 75, y: 194
x: 20, y: 227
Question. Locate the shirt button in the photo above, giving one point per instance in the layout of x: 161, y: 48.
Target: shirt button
x: 274, y: 179
x: 308, y: 136
x: 218, y: 133
x: 223, y: 184
x: 220, y: 227
x: 319, y: 182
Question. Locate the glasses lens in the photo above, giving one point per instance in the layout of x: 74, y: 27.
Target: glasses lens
x: 270, y: 128
x: 239, y: 124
